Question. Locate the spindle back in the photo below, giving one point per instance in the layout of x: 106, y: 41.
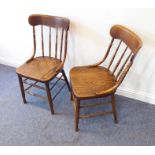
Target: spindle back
x: 53, y: 24
x: 128, y: 43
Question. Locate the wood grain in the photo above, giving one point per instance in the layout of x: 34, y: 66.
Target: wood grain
x: 95, y: 81
x: 44, y: 68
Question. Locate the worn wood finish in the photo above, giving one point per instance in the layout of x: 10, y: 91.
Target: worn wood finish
x: 50, y: 102
x: 44, y: 68
x: 114, y: 108
x: 95, y: 81
x: 41, y: 68
x: 119, y: 61
x: 49, y: 41
x: 62, y: 36
x: 94, y: 105
x: 42, y: 40
x: 22, y: 88
x: 65, y: 77
x: 51, y: 21
x: 56, y: 43
x: 96, y: 114
x: 86, y: 81
x: 114, y: 54
x: 125, y: 62
x: 127, y: 36
x: 77, y: 112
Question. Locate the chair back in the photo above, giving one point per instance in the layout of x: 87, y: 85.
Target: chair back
x: 49, y: 44
x: 128, y: 45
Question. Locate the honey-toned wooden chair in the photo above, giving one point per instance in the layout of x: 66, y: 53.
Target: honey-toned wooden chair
x: 52, y: 32
x: 96, y: 81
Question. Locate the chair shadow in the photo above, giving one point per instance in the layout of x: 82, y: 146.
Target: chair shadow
x: 43, y: 103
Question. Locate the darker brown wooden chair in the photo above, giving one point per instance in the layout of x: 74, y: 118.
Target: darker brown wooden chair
x: 96, y: 81
x: 44, y: 68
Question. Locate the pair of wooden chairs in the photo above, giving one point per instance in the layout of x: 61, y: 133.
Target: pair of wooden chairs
x: 86, y: 82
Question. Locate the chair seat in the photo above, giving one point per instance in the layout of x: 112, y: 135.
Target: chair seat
x: 87, y: 81
x: 40, y: 68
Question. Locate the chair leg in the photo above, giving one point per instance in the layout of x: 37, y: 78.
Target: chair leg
x: 114, y: 108
x: 22, y: 88
x: 71, y: 96
x: 50, y: 102
x: 66, y: 80
x: 77, y: 111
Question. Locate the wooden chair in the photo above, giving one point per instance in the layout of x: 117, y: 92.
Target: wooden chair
x: 96, y: 81
x: 44, y: 68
